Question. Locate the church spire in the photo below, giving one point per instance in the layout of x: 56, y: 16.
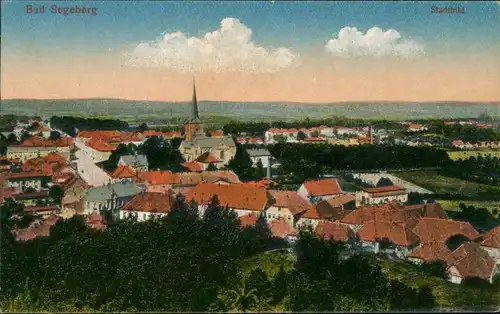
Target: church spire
x: 195, y: 116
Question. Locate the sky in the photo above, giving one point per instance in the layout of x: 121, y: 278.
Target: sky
x: 313, y: 52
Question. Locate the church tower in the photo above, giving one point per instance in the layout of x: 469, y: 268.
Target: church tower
x: 193, y: 126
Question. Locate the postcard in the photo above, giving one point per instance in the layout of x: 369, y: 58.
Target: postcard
x: 249, y: 156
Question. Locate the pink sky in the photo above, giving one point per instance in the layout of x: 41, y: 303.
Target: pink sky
x: 436, y: 79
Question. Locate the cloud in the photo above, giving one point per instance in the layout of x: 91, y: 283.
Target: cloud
x: 351, y: 42
x: 228, y: 49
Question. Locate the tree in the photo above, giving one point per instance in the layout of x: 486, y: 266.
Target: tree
x: 56, y: 194
x: 25, y: 135
x: 143, y: 127
x: 279, y: 286
x: 242, y: 298
x: 259, y: 171
x: 279, y: 138
x: 425, y: 298
x: 211, y: 167
x: 315, y: 134
x: 435, y: 269
x: 12, y: 139
x: 54, y: 135
x: 401, y: 295
x: 384, y: 182
x: 455, y: 241
x: 258, y: 280
x: 301, y: 136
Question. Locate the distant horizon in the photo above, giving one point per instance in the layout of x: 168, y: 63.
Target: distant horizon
x: 465, y: 102
x: 316, y: 52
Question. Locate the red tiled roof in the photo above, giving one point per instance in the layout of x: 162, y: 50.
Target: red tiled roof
x: 39, y: 209
x: 457, y: 142
x: 431, y: 252
x: 122, y: 172
x: 414, y: 126
x: 236, y: 196
x: 100, y: 144
x: 193, y: 166
x: 311, y: 213
x: 326, y: 211
x: 187, y: 178
x: 207, y: 158
x: 95, y: 221
x: 385, y: 190
x: 281, y: 131
x: 492, y: 238
x: 36, y: 141
x: 398, y: 234
x: 280, y: 228
x: 291, y: 200
x: 472, y: 261
x: 440, y: 230
x: 150, y: 202
x: 332, y: 230
x: 248, y: 220
x: 314, y: 139
x: 341, y: 200
x: 30, y: 195
x: 216, y: 133
x: 21, y: 175
x: 322, y: 187
x: 265, y: 183
x: 366, y: 214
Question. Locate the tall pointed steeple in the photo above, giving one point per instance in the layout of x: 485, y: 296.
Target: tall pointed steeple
x: 195, y: 115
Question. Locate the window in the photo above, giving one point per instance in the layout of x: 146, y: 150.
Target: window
x: 222, y: 154
x: 289, y: 217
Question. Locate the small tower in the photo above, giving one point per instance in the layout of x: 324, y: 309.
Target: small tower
x: 193, y: 126
x: 370, y: 134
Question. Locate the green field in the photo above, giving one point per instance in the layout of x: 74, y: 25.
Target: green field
x: 467, y: 154
x: 454, y: 205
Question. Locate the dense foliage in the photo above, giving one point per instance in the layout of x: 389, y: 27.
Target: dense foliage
x: 69, y: 124
x: 480, y: 218
x: 242, y: 165
x: 161, y: 154
x: 482, y: 169
x: 305, y: 161
x: 467, y: 133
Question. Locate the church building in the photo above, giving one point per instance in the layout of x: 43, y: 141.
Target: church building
x: 201, y: 148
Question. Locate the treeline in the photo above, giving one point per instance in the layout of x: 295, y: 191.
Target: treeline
x: 480, y: 218
x: 467, y: 133
x: 306, y: 161
x: 482, y: 169
x: 9, y: 121
x: 259, y: 128
x: 186, y: 263
x: 69, y: 124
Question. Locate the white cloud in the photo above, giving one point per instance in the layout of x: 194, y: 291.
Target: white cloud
x: 351, y: 42
x: 228, y: 49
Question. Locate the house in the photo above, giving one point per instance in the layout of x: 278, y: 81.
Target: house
x: 137, y: 162
x: 315, y: 140
x: 415, y: 127
x: 248, y: 220
x: 330, y: 230
x: 491, y: 243
x: 320, y: 189
x: 216, y: 133
x: 146, y: 205
x: 74, y: 190
x: 95, y: 221
x: 287, y: 205
x: 458, y: 143
x: 241, y: 198
x: 37, y: 147
x: 124, y: 173
x: 31, y: 198
x: 44, y: 211
x: 288, y: 134
x: 265, y: 183
x: 21, y: 181
x: 48, y: 164
x: 39, y: 228
x: 109, y: 197
x: 397, y: 238
x: 342, y: 130
x: 280, y: 228
x: 207, y: 158
x: 471, y: 261
x: 182, y: 182
x: 193, y: 166
x: 261, y: 154
x: 381, y: 195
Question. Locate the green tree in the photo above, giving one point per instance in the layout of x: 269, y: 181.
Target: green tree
x: 54, y: 135
x: 301, y: 136
x: 56, y: 194
x: 211, y: 167
x: 426, y: 299
x: 315, y: 134
x: 242, y: 298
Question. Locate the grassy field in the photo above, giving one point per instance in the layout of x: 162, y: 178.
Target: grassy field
x: 453, y: 205
x: 433, y: 181
x: 467, y: 154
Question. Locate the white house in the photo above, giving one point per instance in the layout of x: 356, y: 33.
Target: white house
x: 20, y: 181
x: 137, y: 162
x: 241, y: 198
x: 288, y: 205
x: 491, y: 243
x: 261, y: 154
x: 381, y: 195
x: 320, y: 189
x: 289, y: 134
x: 109, y: 197
x: 146, y: 205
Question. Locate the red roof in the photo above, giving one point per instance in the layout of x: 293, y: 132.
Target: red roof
x: 332, y: 230
x: 207, y: 158
x: 265, y: 183
x: 433, y: 251
x: 414, y: 126
x: 280, y: 228
x: 314, y: 139
x: 187, y: 178
x: 472, y: 261
x: 99, y: 144
x: 150, y: 202
x: 291, y: 200
x: 492, y: 238
x: 36, y: 141
x: 457, y: 142
x: 95, y: 221
x: 39, y: 209
x: 248, y: 220
x: 383, y: 189
x: 398, y: 234
x: 440, y: 230
x: 123, y: 172
x: 193, y: 166
x: 322, y: 187
x: 216, y: 133
x: 22, y: 175
x: 311, y: 213
x: 236, y: 196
